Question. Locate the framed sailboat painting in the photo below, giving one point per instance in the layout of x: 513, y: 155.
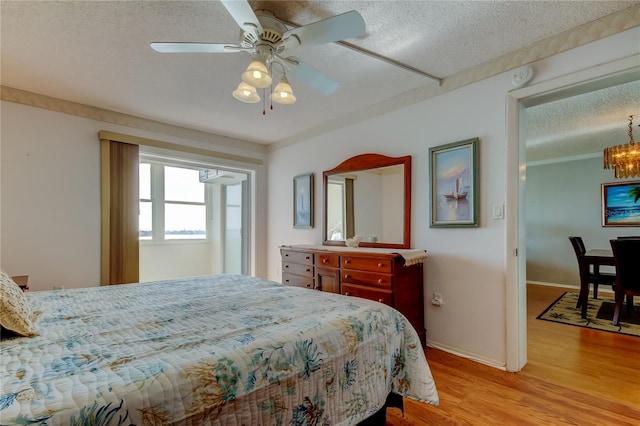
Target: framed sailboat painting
x: 453, y: 185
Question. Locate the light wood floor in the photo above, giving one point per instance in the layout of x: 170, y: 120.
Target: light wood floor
x: 574, y: 376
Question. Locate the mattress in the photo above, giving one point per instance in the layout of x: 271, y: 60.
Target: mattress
x: 210, y: 350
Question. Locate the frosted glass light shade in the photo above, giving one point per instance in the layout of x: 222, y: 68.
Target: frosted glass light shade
x: 257, y: 75
x: 283, y: 93
x: 246, y: 93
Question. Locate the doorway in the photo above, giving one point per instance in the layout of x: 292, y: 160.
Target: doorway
x: 613, y: 73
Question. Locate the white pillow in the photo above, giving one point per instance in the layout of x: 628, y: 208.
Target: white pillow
x: 15, y: 313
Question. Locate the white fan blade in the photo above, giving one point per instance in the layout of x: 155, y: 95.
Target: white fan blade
x: 195, y: 48
x: 245, y: 16
x: 339, y: 27
x: 311, y: 76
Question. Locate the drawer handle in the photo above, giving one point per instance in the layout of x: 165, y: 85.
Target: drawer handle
x: 286, y: 266
x: 347, y: 276
x: 286, y: 255
x: 380, y: 280
x: 346, y: 262
x: 325, y: 260
x: 286, y: 281
x: 307, y: 258
x: 347, y: 293
x: 308, y: 285
x: 380, y: 265
x: 380, y: 300
x: 308, y: 270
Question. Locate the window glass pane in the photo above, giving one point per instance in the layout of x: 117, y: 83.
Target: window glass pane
x: 145, y: 181
x: 234, y: 219
x: 144, y: 221
x: 182, y: 185
x: 234, y: 194
x: 184, y: 221
x: 233, y: 230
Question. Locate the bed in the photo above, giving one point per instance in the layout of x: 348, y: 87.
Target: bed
x: 209, y: 350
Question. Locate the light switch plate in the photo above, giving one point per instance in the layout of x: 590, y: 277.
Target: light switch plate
x: 498, y: 211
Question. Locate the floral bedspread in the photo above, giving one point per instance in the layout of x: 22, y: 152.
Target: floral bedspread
x: 210, y: 350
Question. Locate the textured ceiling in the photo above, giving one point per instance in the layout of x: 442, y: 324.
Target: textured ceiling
x: 97, y: 53
x: 584, y: 123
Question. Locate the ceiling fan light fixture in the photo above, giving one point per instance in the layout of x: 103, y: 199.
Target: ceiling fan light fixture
x: 246, y: 93
x: 257, y: 74
x: 283, y: 93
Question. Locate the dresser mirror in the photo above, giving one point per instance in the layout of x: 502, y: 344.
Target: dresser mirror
x: 368, y: 195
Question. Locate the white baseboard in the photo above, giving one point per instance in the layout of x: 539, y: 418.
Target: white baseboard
x: 601, y: 289
x: 473, y: 357
x: 571, y: 286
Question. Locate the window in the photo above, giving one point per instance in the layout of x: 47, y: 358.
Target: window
x: 185, y: 213
x: 145, y: 219
x: 193, y: 218
x: 173, y: 203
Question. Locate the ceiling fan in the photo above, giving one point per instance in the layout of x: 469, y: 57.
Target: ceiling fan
x: 269, y: 40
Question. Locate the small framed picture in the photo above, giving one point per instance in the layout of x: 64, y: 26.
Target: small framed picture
x: 303, y: 201
x: 454, y: 184
x: 621, y: 203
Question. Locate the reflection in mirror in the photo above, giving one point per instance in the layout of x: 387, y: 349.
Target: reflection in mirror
x: 368, y: 203
x: 337, y: 227
x: 369, y: 196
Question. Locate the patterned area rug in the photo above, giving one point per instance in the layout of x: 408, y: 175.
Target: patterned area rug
x: 599, y: 314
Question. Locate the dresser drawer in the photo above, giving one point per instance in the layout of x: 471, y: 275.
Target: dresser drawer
x: 298, y: 269
x: 379, y: 295
x: 328, y: 259
x: 297, y: 280
x: 375, y: 279
x: 297, y: 257
x: 378, y: 264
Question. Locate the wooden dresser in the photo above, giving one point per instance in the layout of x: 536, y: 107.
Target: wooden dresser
x: 373, y: 274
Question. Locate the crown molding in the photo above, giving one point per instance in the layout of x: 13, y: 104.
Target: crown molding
x: 564, y: 159
x: 24, y: 97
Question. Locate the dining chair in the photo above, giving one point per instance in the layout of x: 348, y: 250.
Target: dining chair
x: 595, y: 276
x: 626, y: 253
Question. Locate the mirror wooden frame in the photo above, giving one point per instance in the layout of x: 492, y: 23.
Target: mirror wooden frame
x: 366, y: 162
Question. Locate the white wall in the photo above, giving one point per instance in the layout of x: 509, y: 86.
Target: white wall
x: 50, y: 168
x: 563, y: 199
x: 468, y: 266
x: 465, y: 265
x: 175, y: 260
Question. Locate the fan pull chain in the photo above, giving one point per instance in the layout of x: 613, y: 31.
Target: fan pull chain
x: 263, y: 91
x: 271, y: 91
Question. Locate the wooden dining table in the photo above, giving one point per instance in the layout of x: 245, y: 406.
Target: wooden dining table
x: 595, y: 257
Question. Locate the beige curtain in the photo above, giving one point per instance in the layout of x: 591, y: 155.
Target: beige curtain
x: 350, y: 224
x: 120, y: 205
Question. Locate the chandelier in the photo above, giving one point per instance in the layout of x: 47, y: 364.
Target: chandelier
x: 259, y: 76
x: 624, y: 159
